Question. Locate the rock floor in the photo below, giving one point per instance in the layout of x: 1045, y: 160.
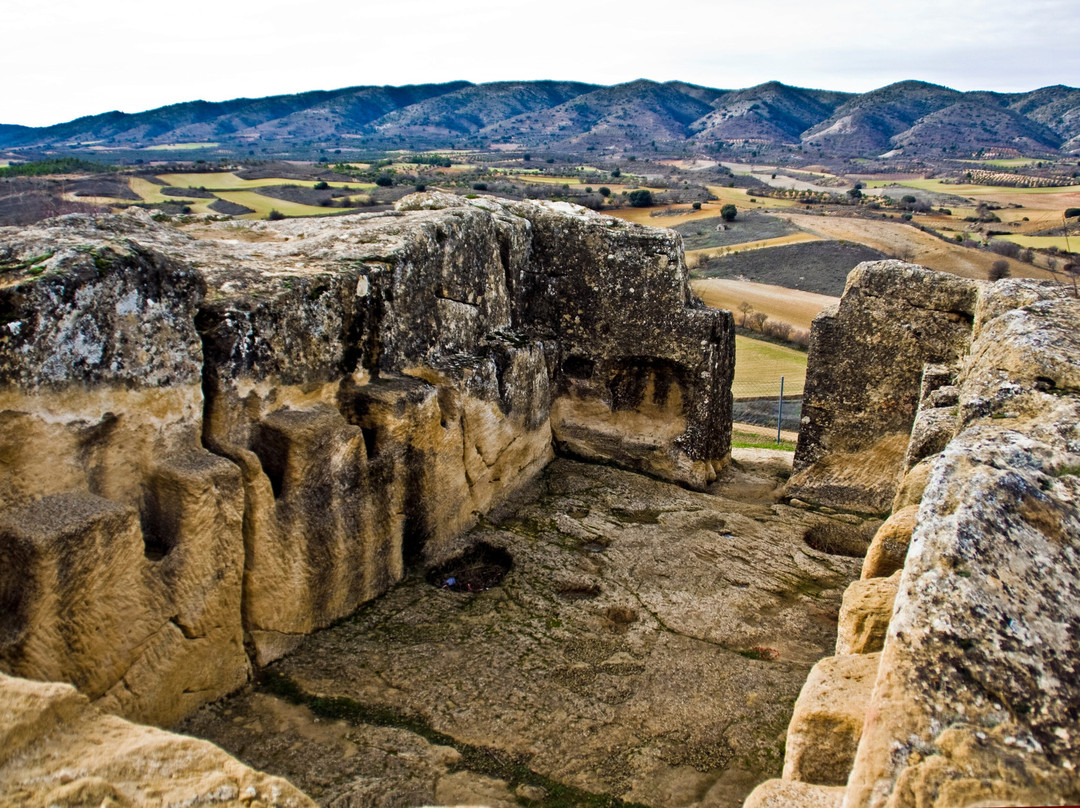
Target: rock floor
x: 647, y: 647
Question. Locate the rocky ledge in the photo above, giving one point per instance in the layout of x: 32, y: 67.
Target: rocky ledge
x: 955, y: 680
x: 217, y: 440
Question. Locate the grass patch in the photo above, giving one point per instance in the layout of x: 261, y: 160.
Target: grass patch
x: 262, y: 205
x: 479, y: 759
x: 1044, y: 242
x: 759, y: 366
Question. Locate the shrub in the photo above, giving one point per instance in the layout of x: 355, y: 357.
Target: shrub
x: 605, y: 191
x: 1006, y: 248
x: 384, y: 181
x: 420, y: 186
x: 640, y: 198
x: 616, y: 172
x: 479, y: 186
x: 998, y: 270
x: 728, y: 213
x: 321, y: 185
x: 1071, y: 212
x: 696, y: 206
x: 275, y: 215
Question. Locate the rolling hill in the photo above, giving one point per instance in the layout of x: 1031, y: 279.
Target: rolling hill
x: 914, y: 117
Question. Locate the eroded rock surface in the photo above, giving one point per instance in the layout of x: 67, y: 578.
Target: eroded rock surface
x: 975, y: 701
x: 251, y: 432
x: 864, y: 379
x: 58, y: 750
x: 647, y: 643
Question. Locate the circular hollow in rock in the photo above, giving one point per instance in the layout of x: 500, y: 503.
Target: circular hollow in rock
x: 837, y: 538
x: 479, y: 568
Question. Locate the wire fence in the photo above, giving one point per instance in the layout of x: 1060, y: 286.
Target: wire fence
x: 775, y: 403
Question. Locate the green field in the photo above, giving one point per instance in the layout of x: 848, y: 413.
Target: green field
x: 759, y: 366
x: 1044, y: 242
x: 262, y: 205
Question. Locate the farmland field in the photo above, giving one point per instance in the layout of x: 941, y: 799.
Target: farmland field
x: 262, y: 205
x: 759, y: 366
x: 1043, y: 242
x: 786, y: 305
x: 820, y: 267
x: 741, y: 198
x: 180, y: 146
x: 763, y: 244
x: 227, y: 181
x: 715, y: 232
x: 898, y: 239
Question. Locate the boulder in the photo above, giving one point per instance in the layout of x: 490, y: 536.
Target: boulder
x: 793, y: 794
x: 864, y: 380
x: 976, y: 700
x: 889, y: 547
x: 828, y: 719
x: 865, y: 615
x: 58, y: 750
x: 307, y: 409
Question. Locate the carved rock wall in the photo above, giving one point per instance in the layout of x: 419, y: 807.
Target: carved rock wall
x: 213, y: 446
x: 975, y: 697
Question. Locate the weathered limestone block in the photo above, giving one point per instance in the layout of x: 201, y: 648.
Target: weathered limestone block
x: 100, y: 365
x: 864, y: 380
x: 865, y: 615
x: 828, y: 719
x: 889, y: 547
x: 931, y: 431
x: 57, y: 749
x: 369, y: 385
x: 794, y: 794
x: 977, y: 697
x: 644, y: 370
x: 913, y: 483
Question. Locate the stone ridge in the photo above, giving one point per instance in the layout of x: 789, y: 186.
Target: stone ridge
x: 973, y: 698
x: 251, y: 428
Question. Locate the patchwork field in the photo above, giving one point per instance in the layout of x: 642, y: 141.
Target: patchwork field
x: 904, y: 241
x: 779, y: 241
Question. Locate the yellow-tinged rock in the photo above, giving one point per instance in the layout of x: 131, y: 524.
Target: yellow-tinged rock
x: 56, y: 749
x: 890, y: 544
x: 793, y: 794
x: 828, y: 719
x: 865, y: 614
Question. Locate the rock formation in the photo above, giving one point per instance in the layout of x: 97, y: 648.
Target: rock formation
x: 864, y: 379
x: 973, y: 697
x: 214, y: 446
x: 58, y: 750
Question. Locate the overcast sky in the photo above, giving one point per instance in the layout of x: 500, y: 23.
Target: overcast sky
x: 60, y: 59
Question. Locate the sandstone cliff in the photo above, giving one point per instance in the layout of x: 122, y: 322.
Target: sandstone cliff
x: 220, y: 440
x: 961, y: 664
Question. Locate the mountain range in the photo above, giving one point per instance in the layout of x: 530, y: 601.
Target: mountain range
x: 916, y: 118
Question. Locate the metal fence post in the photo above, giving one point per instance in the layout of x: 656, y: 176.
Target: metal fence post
x: 780, y: 410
